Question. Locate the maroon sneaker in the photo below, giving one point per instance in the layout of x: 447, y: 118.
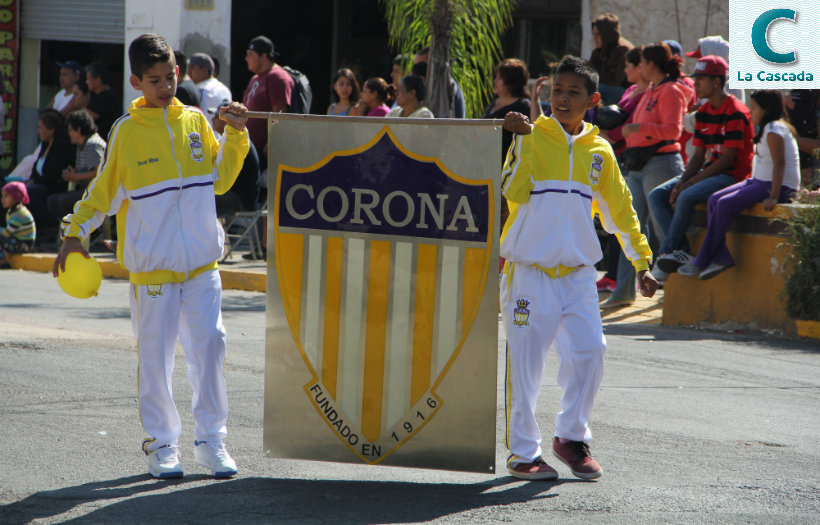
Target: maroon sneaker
x: 576, y: 456
x: 605, y: 284
x: 538, y: 469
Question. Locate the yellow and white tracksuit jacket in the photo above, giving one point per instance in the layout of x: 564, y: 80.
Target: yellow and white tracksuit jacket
x: 161, y: 170
x: 554, y: 188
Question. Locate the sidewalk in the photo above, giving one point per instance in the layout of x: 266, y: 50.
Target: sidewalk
x: 236, y: 272
x: 240, y: 274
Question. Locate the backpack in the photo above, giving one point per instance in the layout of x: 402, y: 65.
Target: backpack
x: 301, y: 96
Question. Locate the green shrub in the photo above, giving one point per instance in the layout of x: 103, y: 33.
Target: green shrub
x: 803, y: 261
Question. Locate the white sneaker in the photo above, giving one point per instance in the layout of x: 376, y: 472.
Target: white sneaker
x: 670, y: 262
x: 712, y: 270
x: 163, y: 463
x: 659, y: 274
x: 214, y: 456
x: 689, y: 270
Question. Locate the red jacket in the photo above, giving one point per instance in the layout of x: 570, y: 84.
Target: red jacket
x: 660, y: 115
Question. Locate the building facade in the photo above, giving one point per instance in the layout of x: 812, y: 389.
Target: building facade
x: 315, y: 37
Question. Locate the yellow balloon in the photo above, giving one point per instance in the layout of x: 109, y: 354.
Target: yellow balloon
x: 81, y: 278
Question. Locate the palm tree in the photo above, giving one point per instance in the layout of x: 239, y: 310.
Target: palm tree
x: 464, y: 38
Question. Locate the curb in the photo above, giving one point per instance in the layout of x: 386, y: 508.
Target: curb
x: 232, y: 279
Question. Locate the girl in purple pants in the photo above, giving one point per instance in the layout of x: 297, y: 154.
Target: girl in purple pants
x: 775, y: 178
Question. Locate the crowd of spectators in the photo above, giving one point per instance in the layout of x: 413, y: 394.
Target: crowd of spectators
x: 686, y: 139
x: 679, y: 137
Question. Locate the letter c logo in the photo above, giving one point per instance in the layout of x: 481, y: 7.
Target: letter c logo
x: 760, y: 31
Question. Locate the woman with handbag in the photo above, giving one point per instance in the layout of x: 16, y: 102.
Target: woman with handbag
x: 652, y: 155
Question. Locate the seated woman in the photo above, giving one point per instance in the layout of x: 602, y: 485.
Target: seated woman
x: 775, y: 178
x: 345, y: 92
x: 410, y: 97
x: 376, y: 98
x: 82, y: 132
x: 56, y: 154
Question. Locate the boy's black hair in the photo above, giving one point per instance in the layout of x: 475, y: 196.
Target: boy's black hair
x: 99, y: 70
x: 582, y: 68
x: 147, y: 50
x: 82, y: 122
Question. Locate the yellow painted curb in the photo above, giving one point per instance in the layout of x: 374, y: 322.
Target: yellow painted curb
x: 810, y: 329
x: 240, y: 280
x: 252, y: 281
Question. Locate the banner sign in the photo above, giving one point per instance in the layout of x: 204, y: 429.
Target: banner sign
x: 9, y: 69
x: 773, y: 44
x: 382, y: 291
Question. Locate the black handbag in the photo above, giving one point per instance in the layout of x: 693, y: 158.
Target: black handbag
x: 635, y: 159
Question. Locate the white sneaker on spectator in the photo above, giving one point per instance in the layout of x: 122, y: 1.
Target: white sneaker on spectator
x: 163, y: 463
x: 689, y: 270
x: 214, y: 456
x: 659, y: 274
x: 712, y: 270
x: 670, y: 262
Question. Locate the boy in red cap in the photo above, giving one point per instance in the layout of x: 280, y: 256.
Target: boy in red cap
x: 18, y: 235
x: 723, y: 156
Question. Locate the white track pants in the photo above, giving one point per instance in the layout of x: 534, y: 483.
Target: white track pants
x: 191, y: 311
x: 538, y: 310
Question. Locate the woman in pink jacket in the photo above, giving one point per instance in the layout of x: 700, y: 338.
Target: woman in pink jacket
x: 653, y: 154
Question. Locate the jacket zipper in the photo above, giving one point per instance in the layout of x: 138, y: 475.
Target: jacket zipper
x: 567, y: 201
x: 179, y: 195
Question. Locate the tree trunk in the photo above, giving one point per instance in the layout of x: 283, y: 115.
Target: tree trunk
x: 439, y: 92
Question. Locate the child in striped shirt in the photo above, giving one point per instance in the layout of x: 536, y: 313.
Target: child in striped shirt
x: 19, y: 233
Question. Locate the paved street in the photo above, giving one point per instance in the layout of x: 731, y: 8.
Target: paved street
x: 690, y: 426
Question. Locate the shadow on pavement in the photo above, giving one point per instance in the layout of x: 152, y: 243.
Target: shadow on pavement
x: 270, y: 500
x: 751, y: 338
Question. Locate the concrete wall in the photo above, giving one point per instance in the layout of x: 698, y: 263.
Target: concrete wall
x: 190, y: 30
x: 748, y: 295
x: 209, y: 32
x: 647, y: 21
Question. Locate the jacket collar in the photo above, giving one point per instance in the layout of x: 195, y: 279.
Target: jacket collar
x: 554, y: 128
x: 155, y: 116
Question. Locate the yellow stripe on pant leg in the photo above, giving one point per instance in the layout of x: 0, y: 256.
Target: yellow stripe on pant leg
x: 507, y: 400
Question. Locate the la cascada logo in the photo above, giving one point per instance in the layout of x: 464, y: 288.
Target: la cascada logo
x: 760, y: 36
x: 778, y: 56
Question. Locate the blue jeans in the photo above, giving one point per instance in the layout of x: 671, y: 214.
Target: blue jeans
x: 675, y: 221
x: 659, y: 169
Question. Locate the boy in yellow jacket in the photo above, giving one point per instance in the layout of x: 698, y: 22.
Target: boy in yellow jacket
x: 161, y: 170
x: 557, y: 175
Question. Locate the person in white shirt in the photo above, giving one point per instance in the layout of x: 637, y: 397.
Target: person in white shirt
x: 212, y: 92
x: 410, y: 99
x: 69, y: 75
x: 775, y: 179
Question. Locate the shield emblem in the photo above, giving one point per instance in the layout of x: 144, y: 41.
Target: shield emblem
x: 382, y: 257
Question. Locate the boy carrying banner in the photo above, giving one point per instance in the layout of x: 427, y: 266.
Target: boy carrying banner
x: 557, y: 175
